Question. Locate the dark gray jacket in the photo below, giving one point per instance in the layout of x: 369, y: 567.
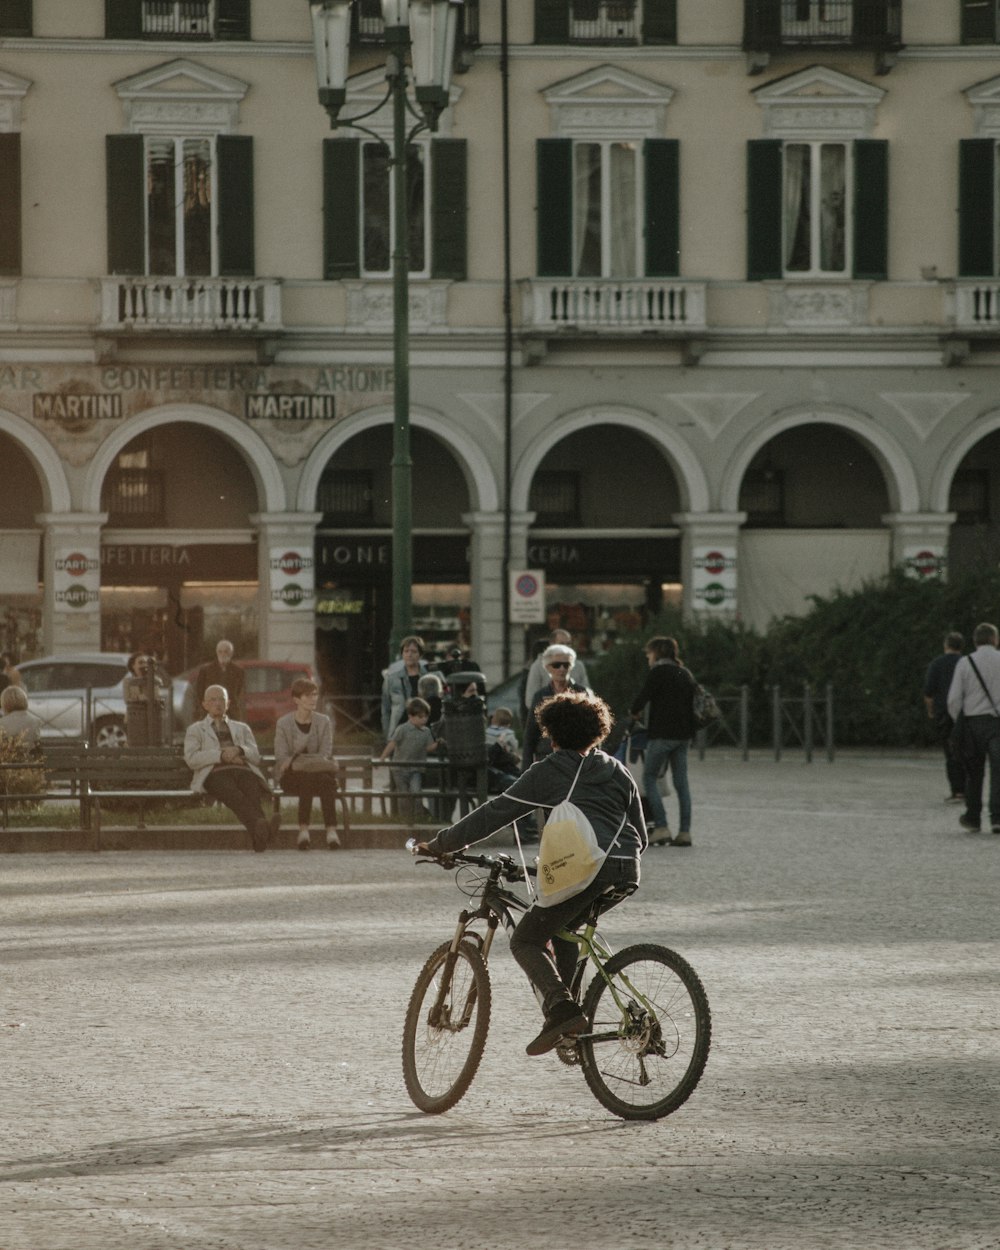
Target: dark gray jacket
x: 605, y: 792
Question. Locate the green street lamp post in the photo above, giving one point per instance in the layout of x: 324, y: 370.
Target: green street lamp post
x: 426, y: 30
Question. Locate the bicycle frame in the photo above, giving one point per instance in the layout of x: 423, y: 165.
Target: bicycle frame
x: 496, y: 907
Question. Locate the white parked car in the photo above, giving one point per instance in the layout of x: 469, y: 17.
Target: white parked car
x: 82, y: 695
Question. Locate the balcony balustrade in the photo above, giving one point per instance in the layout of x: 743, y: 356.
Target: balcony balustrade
x: 977, y: 304
x: 236, y: 304
x: 613, y: 306
x: 770, y: 25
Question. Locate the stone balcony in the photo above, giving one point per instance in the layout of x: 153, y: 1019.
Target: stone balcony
x: 241, y: 305
x: 609, y: 306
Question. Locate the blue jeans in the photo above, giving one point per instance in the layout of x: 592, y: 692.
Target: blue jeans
x: 659, y: 753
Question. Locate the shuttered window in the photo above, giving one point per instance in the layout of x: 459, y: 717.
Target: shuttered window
x: 15, y: 19
x: 180, y: 206
x: 977, y: 212
x: 10, y: 203
x: 358, y: 218
x: 177, y: 19
x: 606, y: 21
x: 817, y: 209
x: 979, y: 21
x: 607, y: 209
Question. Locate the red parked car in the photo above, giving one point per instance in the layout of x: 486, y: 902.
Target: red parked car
x: 268, y: 693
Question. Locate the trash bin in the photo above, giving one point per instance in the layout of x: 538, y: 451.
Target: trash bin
x: 464, y: 722
x: 139, y: 731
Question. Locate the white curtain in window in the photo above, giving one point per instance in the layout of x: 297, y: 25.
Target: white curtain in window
x: 623, y: 210
x: 797, y: 229
x: 833, y: 208
x: 587, y: 210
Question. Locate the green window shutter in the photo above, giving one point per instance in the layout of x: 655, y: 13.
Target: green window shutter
x: 552, y: 21
x: 126, y: 181
x: 976, y: 198
x: 233, y: 19
x: 15, y: 18
x: 662, y: 208
x: 341, y: 208
x: 764, y: 209
x: 659, y: 21
x: 449, y: 209
x: 122, y: 19
x: 555, y: 207
x: 236, y: 250
x: 979, y: 21
x: 10, y: 202
x: 871, y: 209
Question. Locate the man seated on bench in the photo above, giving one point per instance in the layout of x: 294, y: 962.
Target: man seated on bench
x: 225, y: 762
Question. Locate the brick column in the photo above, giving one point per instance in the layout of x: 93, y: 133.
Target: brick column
x: 710, y: 561
x: 287, y: 595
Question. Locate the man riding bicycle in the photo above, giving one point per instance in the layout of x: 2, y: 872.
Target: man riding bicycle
x: 575, y: 723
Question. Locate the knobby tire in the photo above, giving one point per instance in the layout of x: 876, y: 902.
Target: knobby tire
x: 441, y: 1057
x: 650, y: 1062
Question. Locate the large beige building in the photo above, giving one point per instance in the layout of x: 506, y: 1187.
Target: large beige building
x: 745, y: 348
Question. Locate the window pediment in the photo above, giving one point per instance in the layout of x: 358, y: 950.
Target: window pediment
x: 819, y: 103
x: 984, y: 98
x: 13, y: 89
x: 608, y: 102
x: 181, y: 97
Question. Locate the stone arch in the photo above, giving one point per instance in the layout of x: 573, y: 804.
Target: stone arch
x: 55, y: 488
x: 900, y: 478
x: 473, y: 461
x: 959, y: 448
x: 254, y: 451
x: 690, y: 476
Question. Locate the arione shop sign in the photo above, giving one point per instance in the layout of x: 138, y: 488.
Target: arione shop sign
x: 76, y: 581
x: 714, y: 580
x: 292, y: 580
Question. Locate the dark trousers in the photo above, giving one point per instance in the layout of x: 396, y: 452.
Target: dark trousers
x: 550, y: 968
x: 309, y: 786
x: 240, y: 790
x: 983, y: 738
x: 954, y: 764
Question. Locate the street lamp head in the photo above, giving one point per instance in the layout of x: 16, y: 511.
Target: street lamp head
x: 331, y: 20
x: 433, y: 29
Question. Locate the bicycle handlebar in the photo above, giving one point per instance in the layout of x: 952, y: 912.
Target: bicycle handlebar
x: 508, y: 869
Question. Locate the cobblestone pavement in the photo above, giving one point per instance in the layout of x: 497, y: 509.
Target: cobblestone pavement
x: 201, y: 1051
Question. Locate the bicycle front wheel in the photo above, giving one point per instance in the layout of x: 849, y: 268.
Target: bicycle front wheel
x: 650, y: 1030
x: 444, y: 1035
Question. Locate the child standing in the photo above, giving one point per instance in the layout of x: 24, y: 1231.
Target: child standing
x: 410, y: 743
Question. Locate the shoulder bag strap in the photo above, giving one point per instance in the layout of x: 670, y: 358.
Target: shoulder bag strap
x: 983, y: 684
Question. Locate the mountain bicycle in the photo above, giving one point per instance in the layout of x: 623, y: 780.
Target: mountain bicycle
x: 649, y: 1023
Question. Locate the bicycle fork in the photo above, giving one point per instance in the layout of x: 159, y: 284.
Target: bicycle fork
x: 442, y: 1013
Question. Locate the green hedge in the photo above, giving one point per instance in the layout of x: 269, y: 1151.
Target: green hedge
x: 872, y: 645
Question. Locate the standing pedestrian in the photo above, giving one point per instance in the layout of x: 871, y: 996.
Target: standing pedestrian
x: 222, y: 672
x: 669, y: 691
x: 975, y: 692
x: 400, y: 683
x: 937, y: 683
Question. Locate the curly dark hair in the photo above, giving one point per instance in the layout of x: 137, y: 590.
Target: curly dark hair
x: 575, y: 720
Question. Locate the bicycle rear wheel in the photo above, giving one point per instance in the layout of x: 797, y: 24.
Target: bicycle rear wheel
x: 444, y: 1034
x: 645, y: 1053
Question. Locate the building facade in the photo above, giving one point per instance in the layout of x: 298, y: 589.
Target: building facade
x: 704, y: 309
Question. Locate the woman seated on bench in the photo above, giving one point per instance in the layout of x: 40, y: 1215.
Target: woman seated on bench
x: 303, y: 761
x: 16, y: 720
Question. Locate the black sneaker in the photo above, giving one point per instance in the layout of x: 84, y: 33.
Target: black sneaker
x: 995, y: 827
x: 966, y: 821
x: 565, y: 1020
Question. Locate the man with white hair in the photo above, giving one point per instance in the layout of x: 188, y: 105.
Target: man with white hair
x: 225, y: 763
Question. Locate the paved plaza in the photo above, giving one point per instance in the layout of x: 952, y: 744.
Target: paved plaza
x: 201, y: 1051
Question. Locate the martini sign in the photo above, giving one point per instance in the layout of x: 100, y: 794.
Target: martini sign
x: 292, y: 580
x: 77, y: 583
x: 714, y: 580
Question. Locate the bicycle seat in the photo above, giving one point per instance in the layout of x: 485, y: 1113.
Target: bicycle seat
x: 612, y: 896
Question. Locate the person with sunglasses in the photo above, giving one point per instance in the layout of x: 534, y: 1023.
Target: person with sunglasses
x: 557, y: 661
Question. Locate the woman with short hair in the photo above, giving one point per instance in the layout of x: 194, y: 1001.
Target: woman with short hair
x: 16, y: 719
x: 304, y: 735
